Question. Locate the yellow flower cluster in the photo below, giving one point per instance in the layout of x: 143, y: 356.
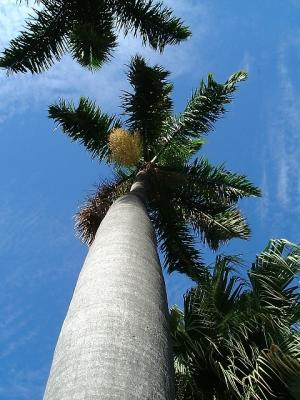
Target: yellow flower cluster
x: 126, y: 148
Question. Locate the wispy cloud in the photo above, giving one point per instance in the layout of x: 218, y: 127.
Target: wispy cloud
x: 281, y: 153
x: 247, y: 61
x: 22, y: 92
x: 22, y: 384
x: 29, y: 239
x: 288, y: 133
x: 264, y: 201
x: 11, y: 19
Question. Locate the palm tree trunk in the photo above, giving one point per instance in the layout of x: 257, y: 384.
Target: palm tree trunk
x: 114, y: 343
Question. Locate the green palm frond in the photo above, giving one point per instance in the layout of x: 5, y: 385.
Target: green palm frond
x: 205, y: 202
x: 208, y: 102
x: 184, y: 387
x: 86, y: 124
x: 216, y: 183
x: 179, y: 337
x: 178, y: 152
x: 43, y: 41
x: 215, y: 226
x: 227, y: 330
x: 212, y: 305
x: 205, y: 107
x: 154, y: 22
x: 88, y: 29
x: 92, y: 39
x: 149, y: 104
x: 275, y: 375
x: 226, y: 287
x: 175, y: 240
x: 198, y: 343
x: 273, y: 280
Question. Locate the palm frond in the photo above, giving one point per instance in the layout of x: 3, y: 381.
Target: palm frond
x: 178, y: 152
x: 27, y: 1
x: 175, y: 240
x: 88, y: 30
x: 150, y: 102
x: 226, y: 287
x: 177, y: 327
x: 86, y: 124
x: 214, y: 219
x: 199, y: 348
x: 217, y: 226
x: 154, y: 22
x: 41, y: 43
x: 92, y: 39
x: 273, y: 280
x: 274, y: 375
x: 207, y: 196
x: 212, y: 305
x: 214, y: 223
x: 207, y: 104
x: 228, y: 332
x: 216, y: 183
x: 92, y: 212
x: 205, y: 107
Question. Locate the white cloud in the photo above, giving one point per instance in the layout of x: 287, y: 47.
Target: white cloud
x: 247, y: 61
x: 264, y: 201
x: 11, y: 19
x: 288, y: 132
x: 22, y: 384
x: 67, y: 79
x: 281, y: 152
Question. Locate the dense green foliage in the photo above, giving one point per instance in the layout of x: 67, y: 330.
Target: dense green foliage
x: 187, y: 197
x: 237, y: 338
x: 88, y: 29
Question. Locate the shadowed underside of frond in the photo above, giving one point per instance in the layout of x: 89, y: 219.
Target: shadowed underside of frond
x: 92, y: 212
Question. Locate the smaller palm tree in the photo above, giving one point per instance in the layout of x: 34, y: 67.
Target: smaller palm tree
x: 182, y: 196
x: 88, y: 29
x: 239, y: 339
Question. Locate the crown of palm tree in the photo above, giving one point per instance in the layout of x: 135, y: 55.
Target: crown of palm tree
x: 187, y: 196
x: 237, y: 338
x: 88, y: 29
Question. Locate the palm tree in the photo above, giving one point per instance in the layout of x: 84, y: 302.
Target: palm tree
x: 239, y: 339
x: 115, y: 339
x: 88, y: 29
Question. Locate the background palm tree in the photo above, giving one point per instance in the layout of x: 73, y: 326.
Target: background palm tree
x: 88, y: 29
x: 115, y: 339
x: 239, y: 338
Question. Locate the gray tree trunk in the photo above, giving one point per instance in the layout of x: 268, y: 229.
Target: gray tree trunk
x: 114, y: 343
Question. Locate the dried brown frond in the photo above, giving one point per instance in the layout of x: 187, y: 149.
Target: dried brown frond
x: 92, y: 212
x: 126, y: 148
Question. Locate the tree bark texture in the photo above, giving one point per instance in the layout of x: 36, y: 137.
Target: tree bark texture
x: 114, y: 343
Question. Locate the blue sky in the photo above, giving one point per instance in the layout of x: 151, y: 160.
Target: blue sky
x: 44, y: 177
